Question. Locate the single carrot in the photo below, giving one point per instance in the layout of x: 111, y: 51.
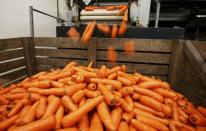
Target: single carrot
x: 92, y: 86
x: 141, y: 126
x: 148, y: 109
x: 112, y: 76
x: 126, y: 91
x: 122, y: 10
x: 168, y: 102
x: 127, y: 76
x: 125, y: 17
x: 53, y: 104
x: 70, y: 90
x: 118, y: 99
x: 56, y: 84
x: 113, y: 70
x: 52, y: 91
x: 44, y: 124
x: 164, y: 85
x: 111, y: 54
x: 109, y: 8
x: 88, y: 8
x: 104, y: 28
x: 22, y: 114
x: 91, y: 94
x: 76, y: 115
x: 123, y: 126
x: 35, y: 97
x: 166, y: 110
x: 68, y: 103
x: 68, y: 129
x: 86, y: 36
x: 38, y: 84
x: 175, y: 114
x: 104, y: 115
x: 150, y: 102
x: 8, y: 122
x: 149, y: 85
x: 129, y: 100
x: 181, y: 125
x: 126, y: 106
x: 72, y: 32
x: 78, y: 96
x: 135, y: 96
x: 29, y: 115
x: 3, y: 100
x: 153, y: 123
x: 182, y: 113
x: 83, y: 124
x: 114, y: 31
x: 148, y: 92
x: 17, y: 108
x: 117, y: 85
x: 127, y: 116
x: 149, y: 115
x: 41, y: 107
x: 124, y: 81
x: 108, y: 96
x: 129, y: 48
x: 172, y: 127
x: 15, y: 96
x: 122, y: 28
x: 165, y: 93
x: 33, y: 89
x: 95, y: 123
x: 202, y: 110
x: 182, y: 119
x: 200, y: 128
x: 116, y: 115
x: 65, y: 80
x: 197, y: 119
x: 59, y: 115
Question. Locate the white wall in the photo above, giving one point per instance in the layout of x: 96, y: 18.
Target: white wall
x: 14, y: 18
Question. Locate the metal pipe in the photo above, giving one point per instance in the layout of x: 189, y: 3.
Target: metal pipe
x: 157, y: 13
x: 31, y: 19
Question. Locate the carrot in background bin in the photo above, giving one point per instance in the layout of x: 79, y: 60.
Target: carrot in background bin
x: 72, y: 32
x: 111, y: 54
x: 95, y: 123
x: 114, y: 31
x: 129, y: 47
x: 104, y: 28
x: 87, y: 35
x: 122, y: 28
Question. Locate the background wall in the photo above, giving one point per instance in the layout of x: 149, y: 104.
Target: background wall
x: 14, y: 17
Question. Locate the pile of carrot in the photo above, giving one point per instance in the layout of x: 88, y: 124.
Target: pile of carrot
x: 96, y: 99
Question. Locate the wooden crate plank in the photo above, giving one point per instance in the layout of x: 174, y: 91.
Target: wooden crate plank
x: 138, y: 57
x: 149, y: 69
x: 201, y: 47
x: 59, y: 42
x: 6, y: 55
x: 6, y: 44
x: 13, y: 75
x: 140, y: 44
x: 92, y: 52
x: 9, y: 65
x: 63, y: 53
x: 57, y: 62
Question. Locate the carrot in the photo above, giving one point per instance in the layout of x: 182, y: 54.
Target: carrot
x: 123, y: 126
x: 83, y: 124
x: 22, y: 114
x: 198, y: 120
x: 15, y: 96
x: 200, y: 128
x: 122, y: 28
x: 168, y: 102
x: 114, y: 69
x: 108, y: 96
x: 33, y: 89
x: 202, y: 110
x: 116, y: 116
x: 182, y: 113
x: 78, y: 96
x: 38, y: 84
x: 53, y: 104
x: 129, y: 100
x: 68, y: 129
x: 60, y: 75
x: 91, y: 94
x: 131, y: 128
x: 122, y: 10
x: 166, y: 110
x: 18, y: 90
x: 125, y: 17
x: 72, y: 32
x: 172, y: 127
x: 114, y: 31
x: 153, y: 123
x: 135, y: 96
x: 124, y: 81
x: 129, y: 48
x: 76, y: 115
x: 92, y: 86
x: 3, y: 100
x: 86, y: 36
x: 181, y: 125
x: 147, y: 109
x: 59, y: 115
x: 88, y: 8
x: 57, y: 84
x: 165, y: 93
x: 126, y: 106
x: 164, y: 85
x: 16, y: 109
x: 117, y: 85
x: 112, y: 76
x: 65, y: 80
x: 41, y: 107
x: 29, y: 115
x: 39, y: 125
x: 52, y: 91
x: 105, y: 116
x: 111, y: 54
x: 149, y: 85
x: 95, y: 123
x: 35, y: 97
x: 141, y: 126
x: 68, y: 103
x: 150, y: 102
x: 111, y: 8
x: 8, y: 122
x: 149, y: 93
x: 104, y: 28
x: 182, y: 119
x: 175, y: 114
x: 126, y: 91
x: 102, y: 73
x: 127, y: 116
x: 70, y: 90
x: 117, y: 98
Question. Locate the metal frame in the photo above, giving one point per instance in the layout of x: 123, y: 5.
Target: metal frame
x: 31, y: 18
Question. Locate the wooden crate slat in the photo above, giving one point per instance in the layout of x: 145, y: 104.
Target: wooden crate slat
x: 6, y: 44
x: 60, y: 42
x: 6, y: 66
x: 13, y: 75
x: 138, y: 57
x: 200, y: 45
x: 6, y: 55
x: 149, y: 69
x: 140, y: 44
x: 63, y: 53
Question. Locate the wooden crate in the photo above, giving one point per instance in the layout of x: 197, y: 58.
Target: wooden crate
x: 182, y: 63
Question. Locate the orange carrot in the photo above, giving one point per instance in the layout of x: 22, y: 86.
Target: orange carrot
x: 105, y: 116
x: 109, y: 8
x: 96, y: 123
x: 116, y: 116
x: 88, y: 8
x: 147, y: 109
x: 125, y: 17
x: 79, y: 78
x: 68, y: 129
x: 124, y: 81
x: 113, y: 70
x: 181, y: 125
x: 198, y: 120
x: 149, y: 85
x: 131, y: 128
x: 92, y: 86
x: 141, y: 126
x: 59, y: 115
x: 135, y: 96
x: 39, y: 125
x: 166, y: 110
x: 168, y: 102
x: 202, y: 110
x: 91, y: 94
x: 122, y: 28
x: 129, y: 100
x: 52, y: 91
x: 149, y: 93
x: 182, y: 113
x: 112, y: 76
x: 172, y: 127
x: 111, y: 54
x: 78, y: 96
x: 35, y: 97
x: 150, y: 102
x: 72, y: 32
x: 129, y: 48
x: 3, y: 100
x: 68, y: 103
x: 29, y: 115
x: 108, y: 96
x: 165, y: 93
x: 38, y: 84
x: 127, y: 116
x: 15, y: 96
x: 117, y: 85
x: 16, y: 109
x: 33, y: 89
x: 53, y: 104
x: 123, y: 126
x: 126, y: 91
x: 83, y: 124
x: 126, y: 106
x: 76, y: 115
x: 86, y: 36
x: 57, y: 84
x: 164, y: 85
x: 8, y: 122
x: 114, y: 31
x: 175, y: 114
x: 104, y: 28
x: 22, y: 114
x: 70, y: 90
x: 200, y: 128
